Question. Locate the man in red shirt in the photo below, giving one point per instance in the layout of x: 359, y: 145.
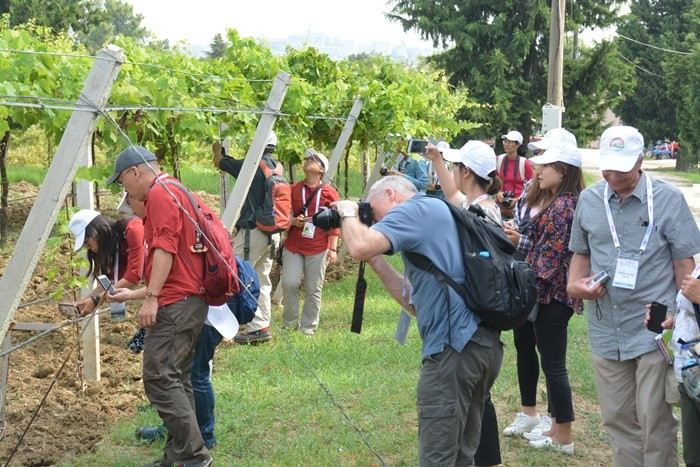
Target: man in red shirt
x: 174, y: 309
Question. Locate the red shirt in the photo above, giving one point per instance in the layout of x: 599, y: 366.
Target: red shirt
x: 166, y: 227
x: 295, y: 242
x: 132, y: 252
x: 512, y: 179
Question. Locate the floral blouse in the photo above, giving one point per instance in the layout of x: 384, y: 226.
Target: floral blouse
x: 549, y: 253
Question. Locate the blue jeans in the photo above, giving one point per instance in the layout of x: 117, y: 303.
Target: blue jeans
x: 201, y: 382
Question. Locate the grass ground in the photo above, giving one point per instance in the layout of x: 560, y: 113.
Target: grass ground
x: 271, y: 409
x: 692, y: 177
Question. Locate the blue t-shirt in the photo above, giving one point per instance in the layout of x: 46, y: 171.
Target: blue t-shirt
x: 424, y: 225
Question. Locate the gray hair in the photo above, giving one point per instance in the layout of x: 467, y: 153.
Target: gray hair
x: 396, y: 183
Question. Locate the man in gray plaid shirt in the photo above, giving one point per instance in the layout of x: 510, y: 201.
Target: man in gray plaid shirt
x: 641, y: 232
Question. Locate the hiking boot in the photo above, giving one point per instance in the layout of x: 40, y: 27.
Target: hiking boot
x: 253, y: 337
x: 151, y: 433
x: 204, y: 463
x: 523, y: 423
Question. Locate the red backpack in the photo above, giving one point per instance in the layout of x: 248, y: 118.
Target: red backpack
x: 275, y: 215
x: 213, y: 240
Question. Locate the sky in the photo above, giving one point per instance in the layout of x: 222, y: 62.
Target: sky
x: 197, y: 21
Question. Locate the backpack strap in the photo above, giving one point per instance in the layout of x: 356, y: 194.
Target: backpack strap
x: 499, y: 163
x: 696, y: 307
x: 425, y: 264
x: 521, y: 166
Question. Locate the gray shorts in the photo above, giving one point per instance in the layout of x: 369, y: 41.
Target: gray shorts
x: 451, y: 392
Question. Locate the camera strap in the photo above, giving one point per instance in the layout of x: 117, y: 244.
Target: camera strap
x: 307, y: 202
x: 359, y: 305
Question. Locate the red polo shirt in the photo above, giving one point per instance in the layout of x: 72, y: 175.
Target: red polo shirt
x: 166, y: 227
x: 296, y: 242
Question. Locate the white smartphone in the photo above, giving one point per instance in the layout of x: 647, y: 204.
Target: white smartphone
x: 599, y: 278
x: 105, y: 283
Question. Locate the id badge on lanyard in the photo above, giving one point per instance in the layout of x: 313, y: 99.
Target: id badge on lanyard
x: 627, y: 267
x: 309, y: 229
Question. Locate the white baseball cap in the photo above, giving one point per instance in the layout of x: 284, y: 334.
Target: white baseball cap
x: 513, y: 135
x: 272, y: 139
x: 552, y: 137
x: 620, y: 148
x: 78, y: 223
x: 313, y: 154
x: 476, y: 155
x: 566, y: 153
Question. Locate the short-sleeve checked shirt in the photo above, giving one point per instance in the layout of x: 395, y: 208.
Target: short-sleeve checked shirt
x: 616, y: 329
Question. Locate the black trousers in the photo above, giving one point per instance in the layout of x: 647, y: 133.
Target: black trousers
x: 527, y: 363
x: 489, y: 450
x: 551, y: 332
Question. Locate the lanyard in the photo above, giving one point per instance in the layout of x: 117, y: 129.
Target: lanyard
x: 650, y: 208
x: 303, y: 200
x: 116, y: 266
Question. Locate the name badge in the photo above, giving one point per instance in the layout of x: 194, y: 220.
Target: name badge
x: 626, y: 272
x: 309, y: 230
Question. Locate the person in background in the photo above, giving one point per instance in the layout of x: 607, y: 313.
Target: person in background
x: 173, y: 309
x: 641, y: 232
x: 251, y: 243
x: 514, y: 169
x: 528, y: 423
x: 307, y: 250
x: 411, y: 169
x: 115, y: 249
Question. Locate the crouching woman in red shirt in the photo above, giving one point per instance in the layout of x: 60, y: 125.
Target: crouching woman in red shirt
x: 307, y: 249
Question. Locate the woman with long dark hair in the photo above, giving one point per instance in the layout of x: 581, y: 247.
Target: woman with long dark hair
x: 554, y: 194
x: 115, y: 249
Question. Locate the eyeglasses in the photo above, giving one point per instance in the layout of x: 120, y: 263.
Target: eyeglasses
x: 120, y: 179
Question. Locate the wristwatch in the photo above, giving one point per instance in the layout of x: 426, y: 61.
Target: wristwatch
x: 347, y: 213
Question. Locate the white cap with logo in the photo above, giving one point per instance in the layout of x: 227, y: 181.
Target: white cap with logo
x: 562, y: 152
x: 513, y: 135
x: 620, y: 148
x: 78, y: 223
x: 311, y: 153
x: 552, y: 137
x: 476, y: 155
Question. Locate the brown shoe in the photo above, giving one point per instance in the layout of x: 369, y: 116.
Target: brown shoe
x: 218, y: 154
x: 254, y: 337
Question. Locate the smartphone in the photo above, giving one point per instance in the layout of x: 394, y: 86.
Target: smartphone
x: 105, y: 283
x: 599, y: 278
x: 657, y: 316
x: 69, y: 310
x: 417, y: 146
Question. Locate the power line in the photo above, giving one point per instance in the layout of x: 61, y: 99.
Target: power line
x: 663, y: 49
x: 639, y: 67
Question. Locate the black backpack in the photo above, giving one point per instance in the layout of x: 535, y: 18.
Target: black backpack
x: 497, y: 287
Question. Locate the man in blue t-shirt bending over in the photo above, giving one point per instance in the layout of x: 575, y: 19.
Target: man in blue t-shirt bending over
x: 461, y: 359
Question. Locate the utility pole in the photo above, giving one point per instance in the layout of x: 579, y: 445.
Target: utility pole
x: 552, y: 111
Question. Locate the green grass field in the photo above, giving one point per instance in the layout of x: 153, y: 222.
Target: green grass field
x: 271, y: 409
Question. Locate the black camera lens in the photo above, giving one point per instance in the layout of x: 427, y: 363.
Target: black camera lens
x: 364, y: 212
x: 326, y: 219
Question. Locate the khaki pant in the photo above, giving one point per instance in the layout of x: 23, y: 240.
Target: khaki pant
x: 313, y: 268
x: 450, y: 399
x: 259, y: 257
x: 642, y: 429
x: 167, y: 366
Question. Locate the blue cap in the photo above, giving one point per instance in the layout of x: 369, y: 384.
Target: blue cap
x: 129, y: 157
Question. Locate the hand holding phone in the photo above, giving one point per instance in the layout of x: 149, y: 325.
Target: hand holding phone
x: 68, y: 310
x: 599, y: 278
x: 657, y: 315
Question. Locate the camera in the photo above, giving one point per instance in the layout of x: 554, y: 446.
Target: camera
x: 508, y: 198
x: 329, y: 218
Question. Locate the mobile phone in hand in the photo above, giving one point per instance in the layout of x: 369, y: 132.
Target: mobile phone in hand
x: 657, y: 315
x: 105, y: 283
x: 599, y: 278
x: 68, y: 310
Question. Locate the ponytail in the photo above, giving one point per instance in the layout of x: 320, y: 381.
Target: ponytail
x: 496, y: 184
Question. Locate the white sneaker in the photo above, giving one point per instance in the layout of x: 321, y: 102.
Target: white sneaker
x: 547, y: 443
x: 523, y: 423
x: 544, y: 425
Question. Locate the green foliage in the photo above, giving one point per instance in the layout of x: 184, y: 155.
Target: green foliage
x: 499, y: 50
x: 652, y: 108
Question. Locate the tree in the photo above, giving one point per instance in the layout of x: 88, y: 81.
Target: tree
x: 499, y: 50
x: 217, y: 48
x: 660, y: 23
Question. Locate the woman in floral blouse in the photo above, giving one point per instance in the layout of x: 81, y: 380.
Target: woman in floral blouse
x: 554, y: 194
